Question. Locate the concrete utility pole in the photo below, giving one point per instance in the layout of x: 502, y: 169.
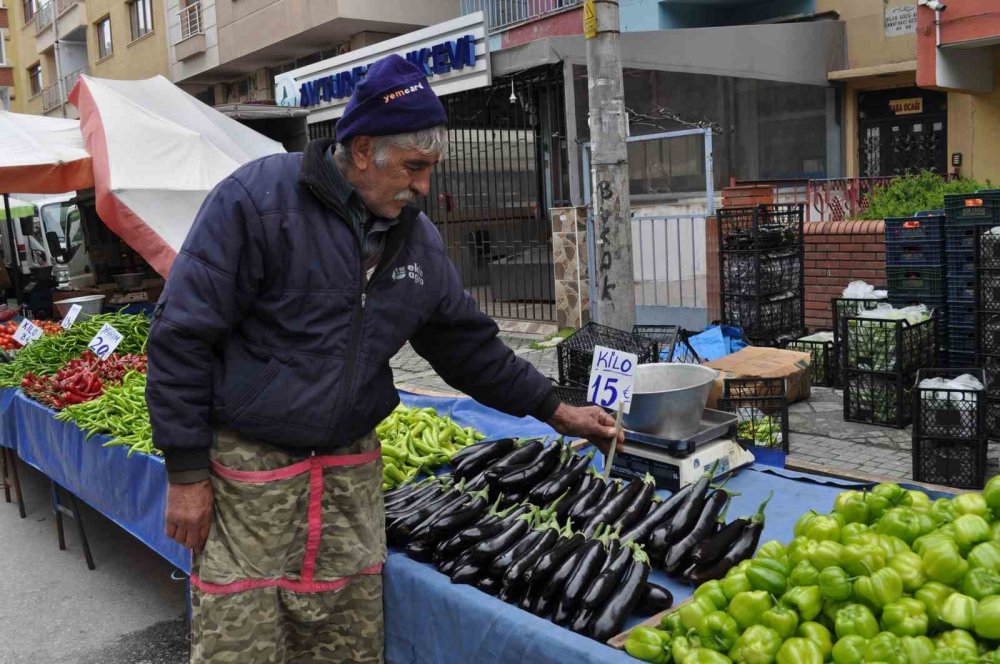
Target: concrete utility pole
x: 609, y: 165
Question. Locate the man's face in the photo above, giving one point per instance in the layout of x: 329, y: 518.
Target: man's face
x: 386, y: 189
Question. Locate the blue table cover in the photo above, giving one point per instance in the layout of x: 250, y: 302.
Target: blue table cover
x: 427, y: 618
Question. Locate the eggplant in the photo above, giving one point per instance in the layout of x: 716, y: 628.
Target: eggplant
x: 447, y: 525
x: 449, y: 566
x: 657, y: 515
x: 478, y: 460
x: 654, y: 599
x: 610, y: 511
x: 587, y: 500
x: 435, y: 492
x: 557, y: 581
x: 506, y: 560
x: 468, y: 574
x: 408, y: 493
x: 742, y: 548
x: 581, y: 621
x: 428, y: 505
x: 637, y: 509
x: 512, y: 594
x: 523, y: 479
x: 714, y: 547
x: 543, y: 606
x: 610, y: 618
x: 406, y: 532
x: 522, y: 456
x: 592, y: 559
x: 567, y: 481
x: 488, y: 584
x: 682, y: 521
x: 487, y: 550
x: 609, y: 577
x: 562, y: 615
x: 681, y: 549
x: 582, y: 487
x: 554, y: 557
x: 525, y: 603
x: 517, y: 574
x: 420, y: 550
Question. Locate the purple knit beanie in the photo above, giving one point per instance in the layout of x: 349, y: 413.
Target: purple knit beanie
x: 393, y: 98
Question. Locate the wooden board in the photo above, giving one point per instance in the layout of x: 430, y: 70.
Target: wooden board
x: 652, y: 621
x: 801, y: 465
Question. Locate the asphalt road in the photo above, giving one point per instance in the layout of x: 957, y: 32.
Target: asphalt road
x: 54, y: 610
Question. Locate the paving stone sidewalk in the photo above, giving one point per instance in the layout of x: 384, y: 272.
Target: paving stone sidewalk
x: 818, y: 434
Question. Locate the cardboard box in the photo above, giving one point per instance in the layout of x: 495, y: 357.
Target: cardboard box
x: 760, y: 362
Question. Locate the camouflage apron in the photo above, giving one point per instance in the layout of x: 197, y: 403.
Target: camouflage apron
x: 291, y: 570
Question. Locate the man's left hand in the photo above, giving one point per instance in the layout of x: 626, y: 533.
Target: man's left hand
x: 590, y: 422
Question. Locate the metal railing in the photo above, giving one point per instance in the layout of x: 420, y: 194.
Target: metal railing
x: 502, y: 14
x: 51, y: 98
x: 70, y: 79
x: 190, y: 18
x: 44, y: 16
x: 63, y: 5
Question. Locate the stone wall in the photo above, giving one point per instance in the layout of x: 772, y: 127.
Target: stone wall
x: 569, y: 256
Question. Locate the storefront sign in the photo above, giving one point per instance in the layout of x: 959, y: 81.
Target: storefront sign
x: 908, y: 106
x: 901, y: 20
x: 453, y: 55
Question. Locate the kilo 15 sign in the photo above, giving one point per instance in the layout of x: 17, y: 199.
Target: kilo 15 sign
x: 612, y: 373
x: 105, y: 341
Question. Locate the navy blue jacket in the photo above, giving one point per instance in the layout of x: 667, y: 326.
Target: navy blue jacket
x: 268, y: 325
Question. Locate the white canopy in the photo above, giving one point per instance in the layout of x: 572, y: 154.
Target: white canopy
x: 157, y: 152
x: 42, y: 155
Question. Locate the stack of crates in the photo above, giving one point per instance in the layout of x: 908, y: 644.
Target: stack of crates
x: 761, y: 257
x: 987, y: 252
x: 966, y: 213
x: 843, y: 308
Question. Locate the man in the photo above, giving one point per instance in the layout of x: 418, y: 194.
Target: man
x: 269, y: 369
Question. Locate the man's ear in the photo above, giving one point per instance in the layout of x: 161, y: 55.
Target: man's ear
x: 363, y: 152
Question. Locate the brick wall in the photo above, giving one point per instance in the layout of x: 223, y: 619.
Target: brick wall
x: 6, y: 77
x: 4, y: 20
x: 836, y: 253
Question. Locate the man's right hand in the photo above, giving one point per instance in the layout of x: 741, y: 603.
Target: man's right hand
x: 189, y: 514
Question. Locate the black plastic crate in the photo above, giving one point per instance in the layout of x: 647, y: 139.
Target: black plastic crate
x: 958, y: 358
x: 916, y: 283
x: 962, y: 288
x: 665, y: 337
x: 987, y: 251
x: 962, y: 261
x: 572, y: 395
x: 987, y: 294
x: 960, y: 238
x: 988, y: 333
x: 761, y: 227
x: 915, y: 229
x: 977, y: 208
x: 764, y: 319
x: 842, y: 307
x: 929, y: 254
x: 940, y: 303
x: 991, y: 366
x: 962, y: 338
x: 761, y: 407
x: 761, y: 273
x: 949, y: 412
x: 825, y: 367
x: 878, y: 398
x: 955, y: 463
x: 575, y: 353
x: 874, y: 344
x: 993, y: 419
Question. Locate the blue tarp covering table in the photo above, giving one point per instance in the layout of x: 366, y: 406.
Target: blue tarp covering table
x: 428, y: 619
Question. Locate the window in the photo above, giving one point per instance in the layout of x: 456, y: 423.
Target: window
x: 141, y: 17
x: 35, y: 79
x: 3, y: 46
x: 104, y: 48
x: 29, y: 9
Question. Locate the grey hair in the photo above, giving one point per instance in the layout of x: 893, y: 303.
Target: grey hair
x: 433, y: 140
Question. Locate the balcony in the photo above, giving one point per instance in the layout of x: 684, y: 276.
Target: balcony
x: 51, y: 98
x: 192, y: 33
x: 63, y: 5
x: 70, y: 79
x: 503, y: 14
x: 44, y: 16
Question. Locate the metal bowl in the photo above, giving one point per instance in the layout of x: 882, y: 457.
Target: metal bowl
x: 90, y: 305
x: 128, y: 281
x: 668, y: 399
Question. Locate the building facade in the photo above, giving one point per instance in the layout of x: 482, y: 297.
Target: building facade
x: 6, y: 59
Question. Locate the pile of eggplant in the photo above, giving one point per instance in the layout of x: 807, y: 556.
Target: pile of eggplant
x: 536, y: 526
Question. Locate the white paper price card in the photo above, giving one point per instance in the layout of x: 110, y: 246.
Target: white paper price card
x: 105, y: 341
x: 70, y: 317
x: 27, y: 332
x: 612, y: 373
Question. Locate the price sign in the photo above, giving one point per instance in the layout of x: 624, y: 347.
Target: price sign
x: 612, y: 373
x: 27, y: 332
x: 105, y: 341
x: 71, y: 315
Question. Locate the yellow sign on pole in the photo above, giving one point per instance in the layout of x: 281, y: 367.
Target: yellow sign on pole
x: 589, y: 19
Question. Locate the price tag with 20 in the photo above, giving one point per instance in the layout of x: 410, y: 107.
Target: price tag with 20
x: 105, y: 341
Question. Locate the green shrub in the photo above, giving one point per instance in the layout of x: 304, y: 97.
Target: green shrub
x: 912, y: 193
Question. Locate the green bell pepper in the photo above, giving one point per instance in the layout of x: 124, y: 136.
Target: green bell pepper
x: 991, y: 492
x: 706, y: 656
x: 980, y: 582
x: 774, y: 550
x: 942, y: 562
x: 803, y: 574
x: 835, y: 584
x: 718, y: 631
x: 971, y: 529
x: 995, y: 529
x: 988, y: 618
x: 757, y: 645
x: 959, y: 640
x: 919, y: 501
x: 692, y: 612
x: 970, y: 503
x: 859, y: 560
x: 877, y: 505
x: 852, y: 507
x: 781, y: 619
x: 985, y: 556
x: 850, y: 649
x: 712, y: 590
x: 801, y: 548
x: 856, y: 619
x: 900, y: 522
x: 943, y: 510
x: 821, y: 635
x: 649, y: 644
x: 825, y: 527
x: 747, y: 608
x: 905, y: 617
x: 734, y: 584
x: 768, y: 574
x: 919, y: 649
x: 680, y: 648
x: 910, y: 568
x: 879, y: 589
x: 849, y: 534
x: 802, y: 522
x: 892, y: 545
x: 800, y: 651
x: 885, y: 647
x: 894, y: 493
x: 806, y: 600
x: 932, y: 595
x: 944, y: 534
x: 830, y: 609
x: 672, y: 623
x: 959, y: 611
x: 826, y: 554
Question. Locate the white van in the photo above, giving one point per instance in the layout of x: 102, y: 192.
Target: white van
x: 46, y: 228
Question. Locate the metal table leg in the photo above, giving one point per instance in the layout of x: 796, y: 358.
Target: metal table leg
x: 73, y: 512
x: 8, y: 461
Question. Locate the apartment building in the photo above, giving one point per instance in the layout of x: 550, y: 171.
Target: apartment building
x: 55, y: 41
x: 6, y: 59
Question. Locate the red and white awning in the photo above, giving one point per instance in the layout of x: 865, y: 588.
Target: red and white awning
x: 42, y: 155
